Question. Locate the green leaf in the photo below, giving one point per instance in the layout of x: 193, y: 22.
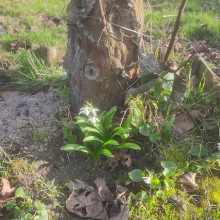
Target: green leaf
x: 10, y: 205
x: 64, y: 76
x: 145, y: 130
x: 92, y: 138
x: 127, y: 145
x: 168, y: 172
x: 212, y: 158
x: 169, y: 165
x: 24, y: 217
x: 21, y: 192
x: 156, y: 183
x: 160, y: 193
x: 72, y: 139
x: 111, y: 142
x: 105, y: 152
x: 76, y: 147
x: 169, y: 183
x: 17, y: 211
x: 198, y: 151
x: 127, y: 122
x: 119, y: 132
x: 162, y: 106
x: 136, y: 175
x: 41, y: 212
x: 218, y: 155
x: 108, y: 119
x: 170, y: 125
x: 101, y: 116
x: 155, y: 137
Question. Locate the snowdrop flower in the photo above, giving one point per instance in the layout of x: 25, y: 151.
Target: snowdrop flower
x: 147, y: 179
x: 218, y: 146
x: 93, y: 120
x: 94, y: 111
x: 85, y: 110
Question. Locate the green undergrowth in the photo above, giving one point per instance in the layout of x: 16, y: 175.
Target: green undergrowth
x: 200, y: 20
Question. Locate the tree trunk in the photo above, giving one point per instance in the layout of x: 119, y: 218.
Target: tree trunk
x: 97, y: 55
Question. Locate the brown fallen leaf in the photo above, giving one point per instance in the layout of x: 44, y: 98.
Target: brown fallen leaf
x: 122, y: 156
x: 121, y: 193
x: 184, y: 122
x: 123, y: 215
x: 103, y: 189
x: 6, y: 189
x: 188, y: 181
x: 17, y: 44
x: 126, y: 160
x: 87, y: 204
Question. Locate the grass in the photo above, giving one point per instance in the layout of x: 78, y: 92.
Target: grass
x: 192, y: 23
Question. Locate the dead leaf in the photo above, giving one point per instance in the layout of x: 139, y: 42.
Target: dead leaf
x: 124, y: 214
x: 6, y: 189
x: 184, y: 122
x: 87, y: 204
x: 126, y: 160
x: 34, y: 28
x: 188, y: 181
x: 103, y: 189
x: 122, y: 156
x: 121, y: 193
x: 17, y: 44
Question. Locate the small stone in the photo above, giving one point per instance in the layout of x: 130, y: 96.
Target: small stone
x: 2, y: 31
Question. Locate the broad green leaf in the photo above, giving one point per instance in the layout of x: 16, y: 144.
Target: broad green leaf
x: 21, y: 192
x: 136, y: 175
x: 169, y: 183
x: 41, y: 212
x: 169, y: 165
x: 92, y: 138
x: 111, y: 142
x: 127, y: 145
x: 212, y: 158
x: 127, y: 122
x: 160, y: 193
x: 109, y: 117
x: 72, y: 139
x: 24, y: 217
x: 119, y: 132
x: 76, y: 147
x: 156, y: 183
x: 162, y: 106
x: 101, y: 116
x: 89, y: 129
x: 198, y: 151
x: 17, y: 211
x: 105, y: 152
x: 145, y: 130
x: 155, y: 137
x: 10, y: 205
x: 168, y: 172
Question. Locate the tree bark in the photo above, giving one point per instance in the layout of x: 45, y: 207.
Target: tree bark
x: 97, y: 54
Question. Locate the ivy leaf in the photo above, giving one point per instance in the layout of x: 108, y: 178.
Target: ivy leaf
x: 10, y: 205
x: 169, y: 183
x: 169, y: 165
x: 155, y: 137
x: 156, y: 183
x: 136, y: 175
x: 21, y: 192
x: 145, y: 130
x: 198, y: 151
x: 160, y: 193
x: 17, y: 211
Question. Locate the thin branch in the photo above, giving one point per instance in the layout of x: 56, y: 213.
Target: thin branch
x: 150, y: 25
x: 102, y: 13
x: 175, y: 31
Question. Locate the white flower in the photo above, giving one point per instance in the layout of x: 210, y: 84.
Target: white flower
x: 218, y: 146
x: 94, y: 111
x: 147, y: 179
x: 93, y: 120
x: 85, y: 110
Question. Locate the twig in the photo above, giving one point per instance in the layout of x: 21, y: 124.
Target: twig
x: 175, y: 31
x: 150, y: 25
x: 102, y: 13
